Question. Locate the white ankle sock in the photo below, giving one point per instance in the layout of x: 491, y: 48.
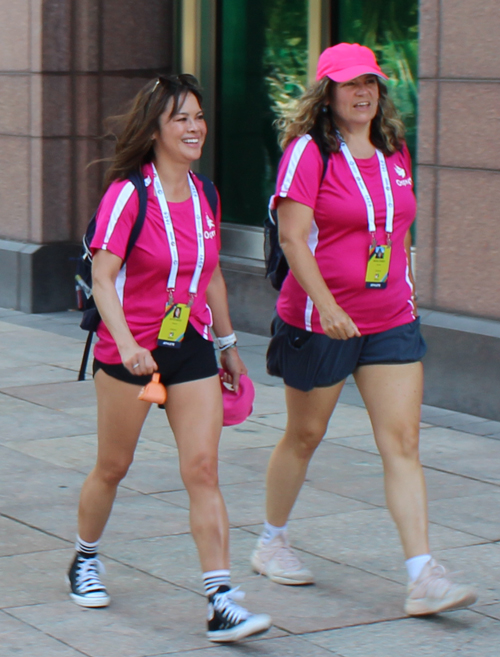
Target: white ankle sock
x: 415, y: 565
x: 270, y: 532
x: 84, y: 548
x: 215, y: 578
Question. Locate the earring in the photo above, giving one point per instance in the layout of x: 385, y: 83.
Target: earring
x: 324, y: 109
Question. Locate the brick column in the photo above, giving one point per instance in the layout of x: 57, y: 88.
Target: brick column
x: 459, y: 157
x: 64, y: 66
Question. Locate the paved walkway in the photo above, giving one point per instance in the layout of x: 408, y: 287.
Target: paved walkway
x: 340, y: 524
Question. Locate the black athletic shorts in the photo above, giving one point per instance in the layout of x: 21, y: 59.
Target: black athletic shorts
x: 194, y: 359
x: 306, y: 360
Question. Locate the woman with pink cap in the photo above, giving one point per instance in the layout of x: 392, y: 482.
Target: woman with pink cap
x: 345, y: 203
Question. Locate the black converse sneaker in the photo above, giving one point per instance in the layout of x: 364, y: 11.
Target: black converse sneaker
x: 87, y: 590
x: 229, y: 622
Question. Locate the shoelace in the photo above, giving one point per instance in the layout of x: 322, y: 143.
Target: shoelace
x: 88, y: 575
x: 225, y: 604
x: 436, y: 582
x: 287, y: 557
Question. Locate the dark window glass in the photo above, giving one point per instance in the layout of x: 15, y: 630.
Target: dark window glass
x: 262, y: 62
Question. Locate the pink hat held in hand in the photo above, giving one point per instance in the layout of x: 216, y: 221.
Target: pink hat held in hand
x: 347, y: 61
x: 237, y: 405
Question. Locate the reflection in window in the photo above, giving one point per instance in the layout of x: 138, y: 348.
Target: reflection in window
x: 390, y: 29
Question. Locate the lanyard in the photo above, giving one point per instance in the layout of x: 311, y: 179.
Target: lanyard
x: 389, y: 199
x: 172, y: 242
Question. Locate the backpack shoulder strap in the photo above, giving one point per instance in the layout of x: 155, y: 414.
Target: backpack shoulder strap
x: 324, y: 155
x: 137, y: 179
x: 209, y: 191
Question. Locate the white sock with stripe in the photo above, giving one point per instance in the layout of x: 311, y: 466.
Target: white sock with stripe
x: 213, y: 579
x: 86, y: 549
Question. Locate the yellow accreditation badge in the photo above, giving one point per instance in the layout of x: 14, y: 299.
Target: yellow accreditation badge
x: 377, y: 270
x: 174, y: 325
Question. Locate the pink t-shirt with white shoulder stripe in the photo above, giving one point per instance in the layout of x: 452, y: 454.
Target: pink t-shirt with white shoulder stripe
x: 142, y: 282
x: 339, y: 236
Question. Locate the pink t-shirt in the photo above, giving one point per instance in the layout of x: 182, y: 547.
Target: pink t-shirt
x: 340, y: 239
x: 142, y: 282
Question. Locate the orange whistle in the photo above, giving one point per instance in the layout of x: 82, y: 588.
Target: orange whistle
x: 154, y: 392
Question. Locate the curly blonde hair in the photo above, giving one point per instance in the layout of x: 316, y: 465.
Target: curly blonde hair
x: 312, y: 112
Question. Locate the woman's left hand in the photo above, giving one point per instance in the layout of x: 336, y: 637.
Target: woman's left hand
x: 233, y: 367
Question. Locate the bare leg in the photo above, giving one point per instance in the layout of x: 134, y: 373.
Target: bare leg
x: 393, y: 397
x: 120, y: 416
x: 194, y: 411
x: 308, y: 416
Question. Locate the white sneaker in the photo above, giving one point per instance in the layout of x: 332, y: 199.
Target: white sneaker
x: 434, y: 591
x: 280, y: 563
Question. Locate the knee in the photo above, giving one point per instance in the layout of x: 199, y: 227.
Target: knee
x: 305, y: 439
x: 200, y: 472
x: 112, y: 472
x: 404, y: 445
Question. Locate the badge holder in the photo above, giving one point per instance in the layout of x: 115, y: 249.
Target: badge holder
x: 377, y: 270
x: 174, y: 325
x: 154, y: 392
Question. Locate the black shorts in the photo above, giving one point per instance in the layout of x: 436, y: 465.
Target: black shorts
x: 306, y: 360
x: 194, y: 359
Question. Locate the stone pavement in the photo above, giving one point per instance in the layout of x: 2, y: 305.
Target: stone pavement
x: 340, y: 524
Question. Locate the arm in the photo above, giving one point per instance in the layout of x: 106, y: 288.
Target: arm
x: 105, y: 269
x: 295, y: 221
x: 410, y: 270
x: 217, y: 300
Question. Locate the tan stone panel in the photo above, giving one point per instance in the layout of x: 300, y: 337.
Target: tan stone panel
x: 56, y: 40
x: 425, y: 234
x: 87, y: 35
x: 136, y: 38
x: 87, y: 106
x: 14, y: 104
x: 469, y: 134
x: 428, y: 48
x: 88, y: 184
x: 57, y: 106
x: 117, y: 93
x: 14, y: 188
x: 468, y: 247
x: 427, y: 114
x: 470, y: 34
x: 57, y: 190
x: 14, y: 35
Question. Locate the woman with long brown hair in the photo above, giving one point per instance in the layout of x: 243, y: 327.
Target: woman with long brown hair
x: 157, y: 309
x: 345, y: 203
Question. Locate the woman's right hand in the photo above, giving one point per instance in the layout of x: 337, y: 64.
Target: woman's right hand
x: 138, y: 360
x: 337, y: 324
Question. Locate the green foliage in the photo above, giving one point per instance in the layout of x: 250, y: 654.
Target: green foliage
x: 390, y: 29
x: 286, y: 51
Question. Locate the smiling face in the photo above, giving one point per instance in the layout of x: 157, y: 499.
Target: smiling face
x: 355, y: 103
x: 181, y: 136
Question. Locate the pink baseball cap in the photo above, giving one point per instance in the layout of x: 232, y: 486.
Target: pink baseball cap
x: 237, y: 405
x: 347, y: 61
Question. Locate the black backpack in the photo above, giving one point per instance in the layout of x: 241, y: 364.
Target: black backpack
x: 276, y: 262
x: 83, y: 277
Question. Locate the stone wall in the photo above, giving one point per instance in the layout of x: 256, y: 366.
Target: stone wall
x: 65, y: 65
x: 459, y: 157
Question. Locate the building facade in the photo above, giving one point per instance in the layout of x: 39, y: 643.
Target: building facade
x: 66, y: 65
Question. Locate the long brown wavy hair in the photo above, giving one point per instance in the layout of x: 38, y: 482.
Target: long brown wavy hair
x: 312, y: 112
x: 134, y: 143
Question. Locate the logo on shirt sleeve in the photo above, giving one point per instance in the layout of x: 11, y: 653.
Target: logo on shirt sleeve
x: 211, y: 232
x: 402, y: 174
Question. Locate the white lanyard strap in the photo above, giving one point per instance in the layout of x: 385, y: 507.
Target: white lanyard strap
x: 389, y: 199
x: 172, y: 242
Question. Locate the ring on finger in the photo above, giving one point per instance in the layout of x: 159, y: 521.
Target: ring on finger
x: 135, y: 365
